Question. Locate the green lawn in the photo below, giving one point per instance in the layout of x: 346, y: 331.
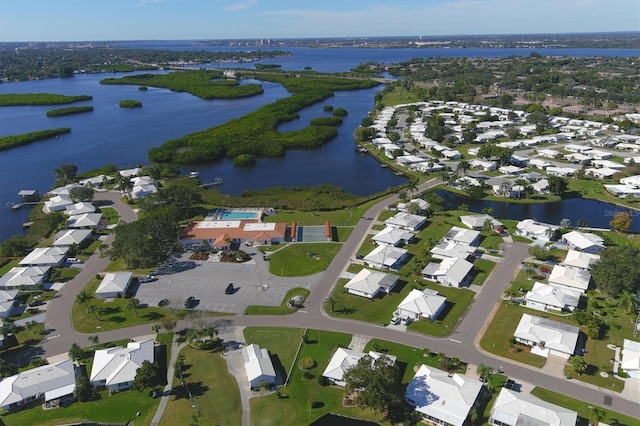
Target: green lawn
x: 113, y: 314
x: 483, y: 268
x: 283, y: 309
x: 117, y: 408
x: 367, y: 246
x: 295, y: 407
x: 491, y: 241
x: 64, y: 274
x: 302, y: 259
x: 343, y: 233
x: 120, y: 265
x: 343, y: 217
x: 582, y: 408
x: 215, y: 392
x: 111, y: 214
x: 281, y: 342
x: 6, y: 267
x: 502, y: 327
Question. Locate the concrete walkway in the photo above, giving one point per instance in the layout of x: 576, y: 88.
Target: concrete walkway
x: 175, y: 350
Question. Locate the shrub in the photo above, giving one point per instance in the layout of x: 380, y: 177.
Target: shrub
x: 307, y: 376
x: 306, y: 364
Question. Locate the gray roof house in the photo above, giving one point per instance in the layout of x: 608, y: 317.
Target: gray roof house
x: 547, y: 337
x: 69, y: 237
x: 27, y: 276
x: 369, y: 284
x: 114, y: 284
x: 386, y: 257
x: 407, y: 221
x: 45, y: 256
x: 452, y: 271
x: 391, y: 236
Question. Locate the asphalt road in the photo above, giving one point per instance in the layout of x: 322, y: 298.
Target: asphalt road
x: 461, y: 343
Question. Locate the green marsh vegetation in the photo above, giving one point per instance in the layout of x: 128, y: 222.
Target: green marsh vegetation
x: 68, y: 111
x: 34, y: 99
x: 7, y: 142
x: 129, y: 103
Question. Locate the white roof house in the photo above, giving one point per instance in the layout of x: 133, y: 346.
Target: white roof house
x: 49, y: 382
x: 572, y: 278
x: 633, y: 181
x: 7, y: 302
x: 580, y: 259
x: 584, y: 241
x: 533, y: 229
x: 421, y: 204
x: 544, y: 297
x: 114, y: 284
x: 369, y: 284
x: 57, y: 203
x: 45, y: 256
x: 442, y: 398
x: 116, y: 367
x: 407, y: 221
x: 386, y: 257
x: 258, y: 365
x: 129, y: 172
x: 421, y: 304
x: 391, y: 236
x: 69, y: 237
x: 451, y: 271
x: 631, y: 358
x: 462, y: 235
x: 623, y: 190
x: 518, y: 408
x: 84, y: 220
x: 80, y: 208
x: 344, y: 359
x: 446, y: 249
x: 546, y: 336
x: 477, y: 221
x: 27, y: 276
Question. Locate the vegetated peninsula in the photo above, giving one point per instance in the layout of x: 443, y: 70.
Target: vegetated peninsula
x: 60, y: 112
x: 255, y: 134
x: 7, y: 142
x: 35, y: 99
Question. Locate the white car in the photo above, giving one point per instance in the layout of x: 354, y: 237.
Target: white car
x: 146, y: 279
x: 395, y: 320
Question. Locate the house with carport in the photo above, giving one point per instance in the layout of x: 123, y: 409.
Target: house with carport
x: 571, y: 278
x: 114, y: 284
x: 427, y: 304
x: 28, y: 277
x: 477, y: 221
x: 45, y: 256
x: 84, y: 221
x: 534, y: 230
x: 519, y: 408
x: 580, y: 259
x: 459, y: 235
x: 451, y: 272
x: 547, y: 337
x: 584, y: 241
x: 391, y: 236
x: 441, y: 398
x: 46, y: 383
x: 406, y: 221
x: 386, y: 257
x: 545, y: 297
x: 370, y: 284
x: 116, y: 367
x: 70, y: 237
x: 258, y: 366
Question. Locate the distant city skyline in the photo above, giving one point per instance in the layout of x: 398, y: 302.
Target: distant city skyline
x: 89, y: 20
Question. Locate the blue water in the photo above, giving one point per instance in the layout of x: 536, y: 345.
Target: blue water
x: 237, y: 216
x: 111, y: 134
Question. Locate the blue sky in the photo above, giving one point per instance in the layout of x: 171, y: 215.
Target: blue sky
x: 69, y: 20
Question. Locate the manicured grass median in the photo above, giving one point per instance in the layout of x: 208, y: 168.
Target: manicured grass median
x: 215, y: 392
x: 300, y: 259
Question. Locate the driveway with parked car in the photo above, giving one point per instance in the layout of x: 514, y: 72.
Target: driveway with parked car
x: 218, y: 286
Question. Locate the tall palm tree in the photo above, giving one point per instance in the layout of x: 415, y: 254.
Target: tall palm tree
x: 93, y: 309
x: 484, y: 371
x: 463, y: 166
x: 628, y: 301
x: 84, y: 297
x: 332, y: 303
x: 597, y: 414
x: 132, y: 305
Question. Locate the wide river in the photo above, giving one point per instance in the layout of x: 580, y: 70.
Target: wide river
x: 111, y: 134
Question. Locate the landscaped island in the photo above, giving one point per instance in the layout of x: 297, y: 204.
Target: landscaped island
x: 7, y: 142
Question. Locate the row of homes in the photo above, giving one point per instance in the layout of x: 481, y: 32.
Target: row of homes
x: 114, y: 368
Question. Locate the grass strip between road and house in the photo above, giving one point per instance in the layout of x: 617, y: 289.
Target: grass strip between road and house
x: 302, y: 259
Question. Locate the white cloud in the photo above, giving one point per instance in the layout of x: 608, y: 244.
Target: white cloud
x: 241, y: 6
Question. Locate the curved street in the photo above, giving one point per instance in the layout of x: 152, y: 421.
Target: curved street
x: 463, y: 342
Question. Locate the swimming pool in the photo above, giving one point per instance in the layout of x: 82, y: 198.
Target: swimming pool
x: 237, y: 214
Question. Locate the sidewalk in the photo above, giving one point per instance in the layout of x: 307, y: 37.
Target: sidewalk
x: 175, y: 350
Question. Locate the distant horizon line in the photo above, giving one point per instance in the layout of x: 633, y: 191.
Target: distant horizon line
x: 417, y: 36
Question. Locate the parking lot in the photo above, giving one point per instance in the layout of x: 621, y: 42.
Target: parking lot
x: 207, y: 280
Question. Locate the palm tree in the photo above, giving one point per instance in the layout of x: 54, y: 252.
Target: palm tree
x: 597, y: 414
x: 332, y: 301
x: 463, y: 166
x: 132, y: 305
x: 484, y: 371
x: 93, y: 309
x: 511, y: 293
x: 474, y: 416
x: 156, y: 329
x: 84, y: 297
x: 628, y: 301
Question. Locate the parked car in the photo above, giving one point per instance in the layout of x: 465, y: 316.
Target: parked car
x: 163, y: 303
x: 395, y: 320
x: 229, y: 289
x: 74, y: 260
x: 147, y: 279
x: 190, y: 302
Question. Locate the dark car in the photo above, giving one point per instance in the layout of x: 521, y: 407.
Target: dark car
x: 190, y: 302
x: 163, y: 303
x: 229, y: 289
